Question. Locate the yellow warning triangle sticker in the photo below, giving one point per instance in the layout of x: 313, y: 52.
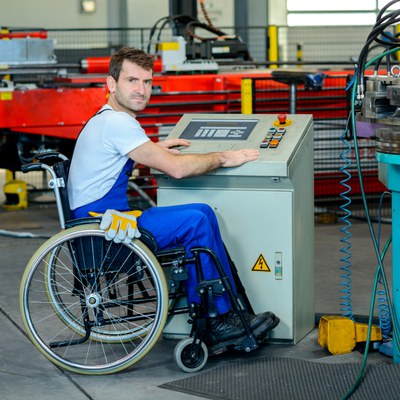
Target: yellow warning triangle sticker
x: 261, y: 265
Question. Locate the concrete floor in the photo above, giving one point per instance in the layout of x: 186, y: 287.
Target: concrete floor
x: 26, y: 374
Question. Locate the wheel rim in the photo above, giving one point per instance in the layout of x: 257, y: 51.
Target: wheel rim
x: 192, y: 356
x: 125, y: 321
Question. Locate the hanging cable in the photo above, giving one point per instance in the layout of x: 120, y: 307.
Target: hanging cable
x: 345, y: 298
x: 205, y: 13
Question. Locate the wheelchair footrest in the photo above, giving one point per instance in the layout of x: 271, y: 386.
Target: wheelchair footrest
x: 246, y: 343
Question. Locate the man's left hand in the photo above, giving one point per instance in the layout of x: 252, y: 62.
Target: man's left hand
x: 119, y: 226
x: 172, y: 145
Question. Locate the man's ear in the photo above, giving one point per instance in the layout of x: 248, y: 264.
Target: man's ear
x: 111, y: 84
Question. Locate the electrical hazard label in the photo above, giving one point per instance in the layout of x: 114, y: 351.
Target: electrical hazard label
x: 261, y: 265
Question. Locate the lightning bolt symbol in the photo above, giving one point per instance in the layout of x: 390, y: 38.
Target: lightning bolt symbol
x: 261, y: 265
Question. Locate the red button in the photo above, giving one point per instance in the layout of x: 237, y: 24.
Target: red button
x: 282, y: 118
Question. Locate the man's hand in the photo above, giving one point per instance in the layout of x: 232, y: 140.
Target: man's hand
x: 119, y: 226
x: 168, y: 144
x: 234, y: 158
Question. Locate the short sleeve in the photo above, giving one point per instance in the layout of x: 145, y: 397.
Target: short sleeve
x: 123, y: 133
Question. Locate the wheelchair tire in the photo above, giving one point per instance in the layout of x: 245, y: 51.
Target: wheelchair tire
x: 96, y: 316
x: 189, y: 356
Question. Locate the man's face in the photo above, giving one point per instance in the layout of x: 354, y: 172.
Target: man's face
x: 133, y: 89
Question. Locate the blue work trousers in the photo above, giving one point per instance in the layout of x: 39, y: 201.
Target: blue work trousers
x: 190, y: 225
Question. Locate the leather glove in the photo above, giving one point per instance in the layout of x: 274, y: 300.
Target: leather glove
x: 119, y: 226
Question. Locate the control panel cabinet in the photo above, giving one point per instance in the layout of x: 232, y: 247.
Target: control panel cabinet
x: 265, y: 209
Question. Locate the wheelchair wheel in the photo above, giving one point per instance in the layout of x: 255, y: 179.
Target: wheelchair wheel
x: 190, y: 356
x: 93, y: 306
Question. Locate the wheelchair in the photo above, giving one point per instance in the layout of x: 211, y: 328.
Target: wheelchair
x: 95, y: 307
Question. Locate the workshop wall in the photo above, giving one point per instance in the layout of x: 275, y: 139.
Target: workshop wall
x: 51, y: 14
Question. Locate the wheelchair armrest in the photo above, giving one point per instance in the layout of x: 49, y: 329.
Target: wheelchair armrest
x: 148, y: 239
x: 175, y: 251
x: 82, y: 221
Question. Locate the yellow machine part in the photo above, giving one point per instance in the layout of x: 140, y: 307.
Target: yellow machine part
x: 167, y: 46
x: 273, y: 47
x: 340, y: 334
x: 16, y: 193
x: 247, y: 96
x: 9, y: 176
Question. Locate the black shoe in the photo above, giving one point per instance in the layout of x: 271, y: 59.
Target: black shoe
x: 223, y: 328
x: 261, y: 332
x: 253, y: 321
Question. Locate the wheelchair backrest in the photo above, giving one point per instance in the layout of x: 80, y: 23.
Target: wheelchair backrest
x: 61, y: 170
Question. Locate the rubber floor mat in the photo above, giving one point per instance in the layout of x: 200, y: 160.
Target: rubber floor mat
x: 274, y: 378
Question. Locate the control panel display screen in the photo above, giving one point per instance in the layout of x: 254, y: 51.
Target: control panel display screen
x: 219, y: 129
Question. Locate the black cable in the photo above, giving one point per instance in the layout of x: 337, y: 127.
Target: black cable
x: 172, y: 18
x: 206, y: 27
x: 166, y: 20
x: 152, y: 31
x: 378, y: 32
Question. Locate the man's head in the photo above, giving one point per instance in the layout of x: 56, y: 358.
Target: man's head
x: 136, y: 56
x: 129, y: 80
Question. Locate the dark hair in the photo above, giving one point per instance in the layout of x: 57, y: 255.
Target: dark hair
x: 137, y: 56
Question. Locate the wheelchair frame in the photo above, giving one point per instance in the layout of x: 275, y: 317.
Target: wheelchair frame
x: 95, y: 307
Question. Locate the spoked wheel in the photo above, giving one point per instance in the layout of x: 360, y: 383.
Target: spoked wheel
x: 92, y: 306
x: 190, y: 356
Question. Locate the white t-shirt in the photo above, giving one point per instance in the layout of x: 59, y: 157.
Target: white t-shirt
x: 101, y: 153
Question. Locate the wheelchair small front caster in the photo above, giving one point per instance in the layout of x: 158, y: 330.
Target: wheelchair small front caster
x: 190, y: 356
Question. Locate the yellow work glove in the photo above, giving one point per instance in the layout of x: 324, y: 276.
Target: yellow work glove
x: 119, y: 226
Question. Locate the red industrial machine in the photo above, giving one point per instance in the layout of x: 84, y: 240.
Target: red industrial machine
x: 60, y: 111
x: 35, y: 116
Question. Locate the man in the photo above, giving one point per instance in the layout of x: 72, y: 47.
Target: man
x: 106, y: 150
